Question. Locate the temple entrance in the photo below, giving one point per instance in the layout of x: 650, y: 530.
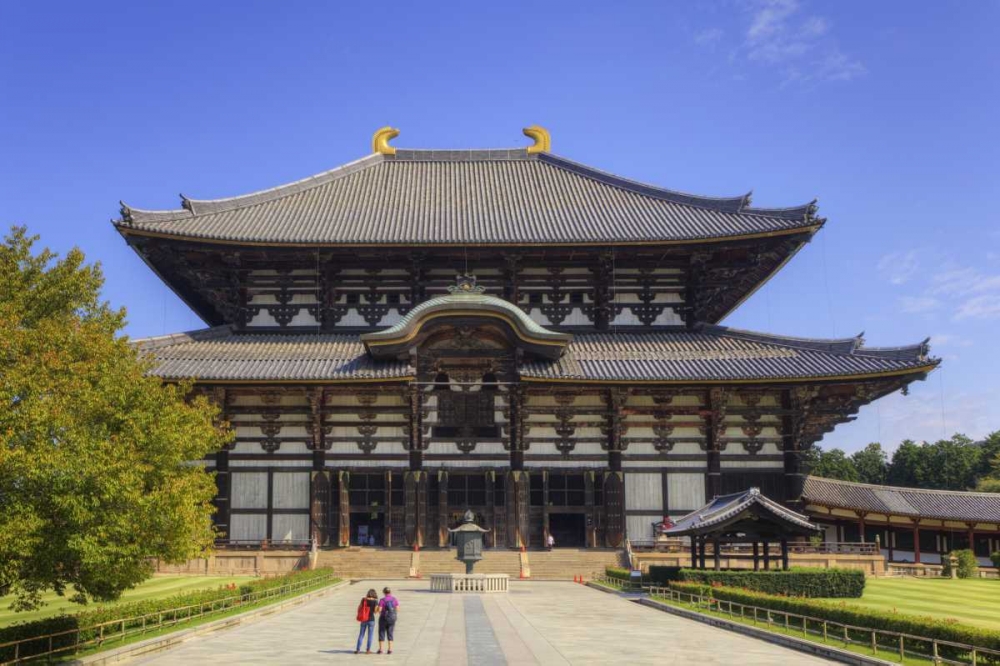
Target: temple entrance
x: 367, y: 529
x: 568, y: 529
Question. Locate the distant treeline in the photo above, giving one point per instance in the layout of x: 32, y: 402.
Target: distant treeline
x: 958, y: 463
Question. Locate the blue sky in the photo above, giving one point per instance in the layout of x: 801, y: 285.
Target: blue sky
x: 884, y: 111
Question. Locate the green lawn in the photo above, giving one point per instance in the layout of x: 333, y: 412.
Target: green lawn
x: 163, y: 586
x: 974, y: 601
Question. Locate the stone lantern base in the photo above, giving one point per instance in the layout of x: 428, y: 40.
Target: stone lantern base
x: 472, y: 583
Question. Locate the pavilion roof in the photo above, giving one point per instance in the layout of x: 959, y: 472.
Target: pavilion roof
x: 710, y: 354
x: 467, y: 197
x: 909, y: 502
x: 728, y: 509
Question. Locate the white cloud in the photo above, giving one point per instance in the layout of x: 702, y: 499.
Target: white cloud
x: 949, y: 340
x: 975, y: 293
x: 899, y: 267
x: 801, y: 46
x: 980, y: 307
x: 709, y: 37
x: 918, y: 304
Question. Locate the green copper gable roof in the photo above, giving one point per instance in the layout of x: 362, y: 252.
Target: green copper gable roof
x: 535, y: 337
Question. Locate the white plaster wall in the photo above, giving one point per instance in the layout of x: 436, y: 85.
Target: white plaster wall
x: 643, y: 491
x: 291, y: 490
x: 247, y: 528
x: 685, y: 492
x: 290, y: 527
x: 641, y: 527
x: 249, y: 490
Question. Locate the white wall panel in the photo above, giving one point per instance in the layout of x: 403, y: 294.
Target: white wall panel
x: 641, y: 527
x: 643, y: 491
x: 290, y: 490
x: 685, y: 492
x: 249, y: 490
x: 247, y: 528
x: 286, y: 527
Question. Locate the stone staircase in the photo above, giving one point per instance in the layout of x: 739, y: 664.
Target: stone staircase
x: 366, y: 562
x: 387, y: 563
x: 565, y: 563
x: 493, y: 562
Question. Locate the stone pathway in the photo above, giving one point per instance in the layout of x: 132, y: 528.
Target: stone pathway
x: 536, y: 623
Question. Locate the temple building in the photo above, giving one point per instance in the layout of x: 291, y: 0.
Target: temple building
x: 422, y: 332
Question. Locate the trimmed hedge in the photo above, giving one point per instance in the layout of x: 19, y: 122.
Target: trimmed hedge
x: 88, y: 619
x: 618, y: 573
x: 857, y: 616
x: 663, y: 575
x: 839, y: 583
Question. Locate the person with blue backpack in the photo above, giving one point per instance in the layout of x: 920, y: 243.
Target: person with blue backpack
x: 387, y: 607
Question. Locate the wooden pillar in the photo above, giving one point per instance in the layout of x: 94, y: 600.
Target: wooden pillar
x: 614, y: 509
x: 713, y: 454
x: 591, y: 518
x: 767, y: 556
x: 489, y: 539
x: 343, y: 508
x: 517, y: 426
x: 545, y: 508
x: 517, y: 497
x: 716, y: 559
x: 319, y: 505
x: 222, y: 492
x: 387, y: 521
x: 701, y: 552
x: 442, y: 499
x: 784, y: 554
x: 756, y: 556
x: 694, y: 552
x: 916, y: 542
x: 795, y: 479
x: 415, y: 426
x: 861, y: 526
x: 972, y: 537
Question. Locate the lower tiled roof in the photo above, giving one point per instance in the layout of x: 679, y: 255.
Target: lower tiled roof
x: 727, y: 507
x: 711, y: 353
x: 910, y: 502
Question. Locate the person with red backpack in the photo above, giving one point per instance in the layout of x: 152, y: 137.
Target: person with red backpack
x: 366, y: 616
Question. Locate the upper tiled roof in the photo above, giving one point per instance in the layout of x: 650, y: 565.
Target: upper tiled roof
x: 436, y: 197
x: 717, y: 353
x: 913, y: 502
x: 725, y: 508
x: 711, y: 354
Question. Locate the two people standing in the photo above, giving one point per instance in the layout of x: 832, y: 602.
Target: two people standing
x: 386, y: 611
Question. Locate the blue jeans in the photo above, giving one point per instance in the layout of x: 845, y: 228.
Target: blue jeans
x: 370, y: 627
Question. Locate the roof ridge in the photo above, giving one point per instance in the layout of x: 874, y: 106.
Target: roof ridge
x: 929, y: 491
x: 171, y: 339
x: 827, y: 345
x: 195, y: 207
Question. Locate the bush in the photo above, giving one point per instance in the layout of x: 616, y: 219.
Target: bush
x: 618, y: 573
x: 968, y: 566
x: 995, y: 558
x: 841, y: 583
x: 856, y: 616
x: 88, y: 620
x: 663, y: 575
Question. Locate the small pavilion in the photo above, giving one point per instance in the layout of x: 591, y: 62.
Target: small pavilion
x: 742, y: 518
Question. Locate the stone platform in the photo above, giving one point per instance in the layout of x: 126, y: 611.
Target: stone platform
x: 473, y: 583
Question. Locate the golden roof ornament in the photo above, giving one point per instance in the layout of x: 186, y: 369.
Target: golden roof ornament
x: 466, y: 284
x: 543, y: 140
x: 381, y: 138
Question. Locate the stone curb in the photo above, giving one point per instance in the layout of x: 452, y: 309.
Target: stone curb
x: 175, y: 638
x: 836, y: 654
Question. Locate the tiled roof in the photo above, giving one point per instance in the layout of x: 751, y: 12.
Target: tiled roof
x: 727, y: 507
x: 912, y: 502
x: 219, y: 354
x: 436, y: 197
x: 713, y: 353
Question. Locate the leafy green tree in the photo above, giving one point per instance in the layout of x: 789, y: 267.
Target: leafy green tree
x: 908, y: 465
x: 871, y: 463
x: 951, y: 464
x: 989, y: 461
x: 834, y: 464
x: 95, y: 473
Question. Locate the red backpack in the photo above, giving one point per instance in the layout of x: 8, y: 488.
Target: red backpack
x: 364, y: 611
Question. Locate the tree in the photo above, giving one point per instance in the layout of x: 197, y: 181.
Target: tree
x: 871, y: 463
x: 95, y: 473
x: 951, y: 464
x: 834, y: 464
x: 907, y: 468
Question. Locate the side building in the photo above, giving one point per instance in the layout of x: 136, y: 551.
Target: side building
x: 422, y: 332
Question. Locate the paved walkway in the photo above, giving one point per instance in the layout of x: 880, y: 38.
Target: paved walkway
x: 536, y: 623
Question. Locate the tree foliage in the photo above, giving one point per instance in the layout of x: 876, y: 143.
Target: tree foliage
x: 948, y: 464
x: 95, y: 472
